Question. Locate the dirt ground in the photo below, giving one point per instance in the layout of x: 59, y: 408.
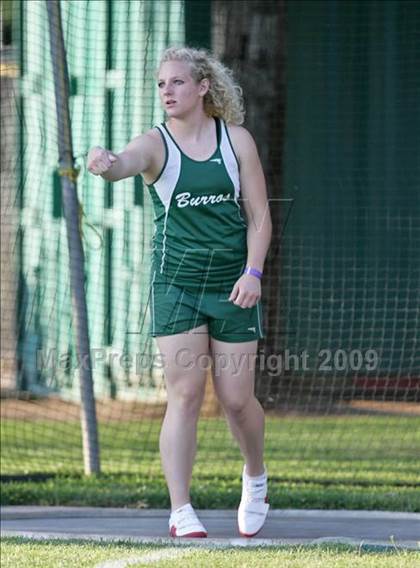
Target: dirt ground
x: 54, y: 408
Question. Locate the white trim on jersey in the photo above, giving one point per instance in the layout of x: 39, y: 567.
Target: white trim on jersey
x: 229, y: 159
x: 259, y: 318
x: 231, y: 165
x: 153, y: 303
x: 166, y: 184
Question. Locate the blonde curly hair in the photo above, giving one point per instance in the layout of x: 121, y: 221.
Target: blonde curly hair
x: 224, y: 97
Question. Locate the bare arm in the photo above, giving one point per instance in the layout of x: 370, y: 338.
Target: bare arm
x: 255, y: 201
x: 138, y: 157
x: 254, y: 194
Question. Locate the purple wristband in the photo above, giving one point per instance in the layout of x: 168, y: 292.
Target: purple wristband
x: 253, y: 271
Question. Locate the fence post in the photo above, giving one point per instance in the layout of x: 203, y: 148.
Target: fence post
x: 70, y: 202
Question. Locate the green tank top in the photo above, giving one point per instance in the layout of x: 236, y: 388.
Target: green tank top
x: 199, y: 239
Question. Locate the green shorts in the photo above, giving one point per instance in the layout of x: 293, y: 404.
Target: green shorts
x: 176, y: 310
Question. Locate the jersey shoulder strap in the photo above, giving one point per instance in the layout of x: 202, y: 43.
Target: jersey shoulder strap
x: 169, y: 176
x: 229, y: 158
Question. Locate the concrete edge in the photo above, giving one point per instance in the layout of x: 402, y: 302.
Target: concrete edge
x: 368, y: 545
x: 32, y: 512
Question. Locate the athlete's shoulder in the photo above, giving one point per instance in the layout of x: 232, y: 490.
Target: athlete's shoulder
x: 148, y: 141
x: 242, y: 140
x: 152, y: 136
x: 237, y: 129
x: 145, y: 139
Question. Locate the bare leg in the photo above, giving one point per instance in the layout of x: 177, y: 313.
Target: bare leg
x: 185, y: 384
x: 234, y: 387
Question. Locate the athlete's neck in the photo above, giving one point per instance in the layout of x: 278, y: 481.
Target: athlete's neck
x: 192, y: 129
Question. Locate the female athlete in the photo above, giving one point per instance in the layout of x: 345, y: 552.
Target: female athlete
x: 205, y: 286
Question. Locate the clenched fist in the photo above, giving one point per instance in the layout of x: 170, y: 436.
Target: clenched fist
x: 99, y: 160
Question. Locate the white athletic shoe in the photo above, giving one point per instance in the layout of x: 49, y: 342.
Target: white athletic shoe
x: 184, y: 522
x: 254, y: 506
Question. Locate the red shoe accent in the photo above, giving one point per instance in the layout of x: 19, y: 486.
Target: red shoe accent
x: 198, y: 534
x: 249, y: 535
x: 266, y: 498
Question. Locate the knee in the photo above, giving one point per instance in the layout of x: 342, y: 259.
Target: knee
x: 186, y: 399
x: 235, y: 406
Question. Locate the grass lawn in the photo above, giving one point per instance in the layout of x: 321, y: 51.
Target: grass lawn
x: 347, y: 462
x: 25, y: 553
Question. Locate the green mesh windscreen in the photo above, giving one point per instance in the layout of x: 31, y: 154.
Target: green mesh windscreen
x: 331, y: 91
